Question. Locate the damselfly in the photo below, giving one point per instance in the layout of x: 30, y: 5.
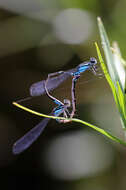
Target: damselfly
x: 38, y: 88
x: 24, y: 142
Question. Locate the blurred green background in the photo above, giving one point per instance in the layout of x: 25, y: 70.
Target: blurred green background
x: 44, y: 36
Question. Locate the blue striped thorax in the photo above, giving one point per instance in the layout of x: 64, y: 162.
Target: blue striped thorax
x: 58, y: 110
x: 85, y: 66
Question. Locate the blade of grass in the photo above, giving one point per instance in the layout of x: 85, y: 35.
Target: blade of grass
x: 107, y: 76
x: 116, y: 70
x: 107, y: 50
x: 119, y: 64
x: 117, y: 93
x: 121, y: 99
x: 108, y: 54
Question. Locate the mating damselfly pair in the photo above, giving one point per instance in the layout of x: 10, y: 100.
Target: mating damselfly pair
x: 44, y: 87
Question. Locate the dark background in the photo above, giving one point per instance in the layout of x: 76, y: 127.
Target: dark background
x: 40, y: 37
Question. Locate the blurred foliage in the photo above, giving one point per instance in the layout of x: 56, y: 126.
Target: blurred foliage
x: 30, y: 48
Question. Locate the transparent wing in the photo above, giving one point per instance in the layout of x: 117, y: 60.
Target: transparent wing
x: 25, y: 141
x: 38, y: 88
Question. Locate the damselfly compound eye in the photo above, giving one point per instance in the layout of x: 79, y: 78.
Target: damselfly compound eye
x: 93, y: 60
x: 67, y: 102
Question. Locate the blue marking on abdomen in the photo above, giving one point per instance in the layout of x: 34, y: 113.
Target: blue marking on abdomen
x: 58, y: 110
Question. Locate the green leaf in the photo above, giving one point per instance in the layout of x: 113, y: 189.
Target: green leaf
x: 107, y: 76
x: 119, y: 65
x: 107, y: 51
x: 117, y: 74
x: 121, y: 99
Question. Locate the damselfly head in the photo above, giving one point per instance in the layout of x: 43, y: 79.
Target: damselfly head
x: 93, y: 61
x: 67, y: 102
